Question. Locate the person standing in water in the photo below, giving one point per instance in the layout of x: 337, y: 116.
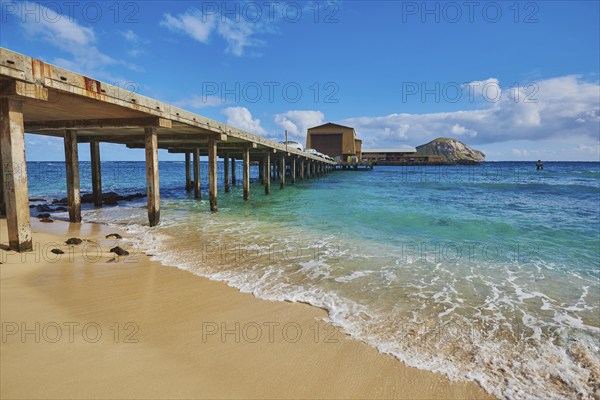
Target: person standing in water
x: 539, y: 165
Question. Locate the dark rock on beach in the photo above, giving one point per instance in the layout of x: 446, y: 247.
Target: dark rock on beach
x: 109, y: 199
x: 119, y: 251
x: 114, y: 236
x: 74, y: 240
x: 43, y: 208
x: 57, y: 251
x: 47, y: 220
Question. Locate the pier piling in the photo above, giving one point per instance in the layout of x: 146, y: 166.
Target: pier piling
x: 212, y: 174
x: 246, y: 173
x: 72, y: 166
x: 261, y: 172
x: 226, y: 173
x: 152, y: 184
x: 188, y: 173
x: 267, y: 173
x: 282, y: 172
x: 197, y: 191
x: 2, y: 205
x: 293, y: 171
x: 16, y: 193
x: 96, y: 173
x: 233, y: 171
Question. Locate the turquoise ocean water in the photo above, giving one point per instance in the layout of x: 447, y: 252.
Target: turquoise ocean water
x: 488, y: 273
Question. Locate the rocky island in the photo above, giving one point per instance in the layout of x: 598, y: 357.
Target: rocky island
x: 452, y: 151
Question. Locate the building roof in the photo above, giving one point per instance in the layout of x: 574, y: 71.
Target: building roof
x: 403, y: 149
x: 331, y: 123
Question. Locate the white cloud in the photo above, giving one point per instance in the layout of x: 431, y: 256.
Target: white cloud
x: 487, y: 90
x: 296, y: 122
x: 241, y: 118
x: 520, y: 152
x: 589, y: 149
x: 238, y: 33
x: 135, y: 52
x: 459, y: 130
x: 66, y: 34
x: 193, y: 23
x: 131, y: 36
x: 550, y: 109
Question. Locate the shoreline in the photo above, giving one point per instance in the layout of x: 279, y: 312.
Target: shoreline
x: 153, y: 331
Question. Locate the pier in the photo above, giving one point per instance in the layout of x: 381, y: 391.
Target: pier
x: 43, y: 99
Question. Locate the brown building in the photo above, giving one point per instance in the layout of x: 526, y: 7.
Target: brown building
x: 401, y: 155
x: 334, y: 140
x: 391, y: 154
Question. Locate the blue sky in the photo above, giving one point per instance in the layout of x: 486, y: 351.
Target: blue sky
x: 517, y: 80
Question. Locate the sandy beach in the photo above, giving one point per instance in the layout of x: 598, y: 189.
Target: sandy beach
x: 89, y: 324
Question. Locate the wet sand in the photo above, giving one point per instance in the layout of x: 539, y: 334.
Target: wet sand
x: 89, y: 324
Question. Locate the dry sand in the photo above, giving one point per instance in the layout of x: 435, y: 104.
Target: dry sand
x: 132, y: 328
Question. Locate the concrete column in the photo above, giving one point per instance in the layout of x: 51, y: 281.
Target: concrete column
x: 212, y: 174
x: 72, y: 164
x: 233, y: 171
x: 12, y: 157
x: 226, y: 173
x: 302, y: 169
x: 267, y: 174
x: 282, y: 172
x: 152, y: 184
x: 188, y: 173
x: 96, y: 173
x: 246, y: 173
x: 261, y: 172
x: 2, y: 205
x: 293, y: 171
x: 196, y: 158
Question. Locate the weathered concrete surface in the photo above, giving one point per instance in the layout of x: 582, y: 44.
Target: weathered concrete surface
x: 96, y: 173
x: 16, y: 194
x: 212, y: 174
x: 73, y: 186
x: 152, y: 184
